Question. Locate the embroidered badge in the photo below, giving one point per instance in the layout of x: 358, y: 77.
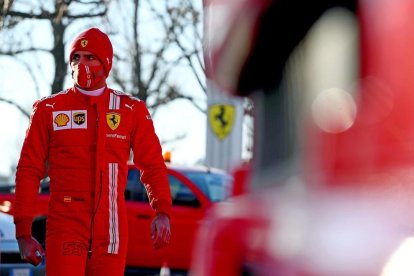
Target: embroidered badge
x: 84, y: 42
x: 113, y: 120
x: 79, y: 118
x: 61, y: 120
x: 70, y: 119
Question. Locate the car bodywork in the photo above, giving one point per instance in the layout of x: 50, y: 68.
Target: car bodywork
x: 194, y: 189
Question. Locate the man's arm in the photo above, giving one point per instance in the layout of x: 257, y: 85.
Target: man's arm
x: 30, y: 170
x: 148, y: 159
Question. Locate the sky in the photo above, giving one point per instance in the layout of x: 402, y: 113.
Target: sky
x: 174, y: 119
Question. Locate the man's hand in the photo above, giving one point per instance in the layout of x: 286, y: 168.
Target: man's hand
x: 30, y: 250
x: 160, y: 231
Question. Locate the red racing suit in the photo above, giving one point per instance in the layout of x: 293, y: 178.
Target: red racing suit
x: 84, y: 142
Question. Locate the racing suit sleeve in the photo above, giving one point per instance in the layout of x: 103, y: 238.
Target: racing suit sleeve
x: 148, y: 159
x: 31, y: 169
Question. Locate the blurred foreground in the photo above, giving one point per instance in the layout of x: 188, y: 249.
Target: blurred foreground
x: 331, y: 184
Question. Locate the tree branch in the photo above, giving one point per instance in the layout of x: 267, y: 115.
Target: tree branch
x: 50, y: 15
x: 20, y: 51
x: 19, y: 107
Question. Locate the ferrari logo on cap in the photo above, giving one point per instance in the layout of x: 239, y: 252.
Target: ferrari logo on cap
x: 84, y: 42
x: 221, y: 119
x: 113, y: 120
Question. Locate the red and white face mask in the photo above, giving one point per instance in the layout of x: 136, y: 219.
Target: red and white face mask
x: 86, y: 76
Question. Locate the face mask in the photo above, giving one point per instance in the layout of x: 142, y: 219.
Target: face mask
x: 86, y: 76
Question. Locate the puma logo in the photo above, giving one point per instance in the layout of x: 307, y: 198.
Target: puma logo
x: 51, y: 105
x: 129, y: 106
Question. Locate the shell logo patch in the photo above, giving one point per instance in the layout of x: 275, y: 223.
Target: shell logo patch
x: 84, y: 42
x: 221, y: 117
x: 67, y: 199
x: 113, y: 120
x: 70, y: 119
x: 61, y: 120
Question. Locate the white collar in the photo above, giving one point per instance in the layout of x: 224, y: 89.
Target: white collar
x: 96, y: 92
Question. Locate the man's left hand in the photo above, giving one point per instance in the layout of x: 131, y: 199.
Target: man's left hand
x: 160, y: 231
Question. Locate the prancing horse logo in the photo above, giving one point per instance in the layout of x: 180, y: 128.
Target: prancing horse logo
x: 113, y: 120
x: 221, y: 119
x: 84, y: 42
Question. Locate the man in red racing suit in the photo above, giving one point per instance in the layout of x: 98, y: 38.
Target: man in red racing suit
x: 85, y: 135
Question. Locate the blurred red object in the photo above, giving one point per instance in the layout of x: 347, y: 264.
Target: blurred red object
x: 241, y: 176
x: 330, y: 189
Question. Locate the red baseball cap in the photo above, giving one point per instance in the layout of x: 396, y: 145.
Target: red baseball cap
x: 97, y: 42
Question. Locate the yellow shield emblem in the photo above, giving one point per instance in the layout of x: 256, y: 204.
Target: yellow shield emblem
x: 221, y: 119
x: 84, y: 42
x: 113, y: 120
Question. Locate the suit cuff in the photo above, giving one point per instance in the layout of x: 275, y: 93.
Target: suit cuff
x: 163, y: 207
x: 23, y: 227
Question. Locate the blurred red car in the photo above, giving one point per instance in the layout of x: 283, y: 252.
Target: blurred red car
x: 194, y: 189
x: 331, y: 184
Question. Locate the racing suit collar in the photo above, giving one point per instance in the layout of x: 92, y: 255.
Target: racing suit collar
x: 92, y: 93
x: 88, y: 98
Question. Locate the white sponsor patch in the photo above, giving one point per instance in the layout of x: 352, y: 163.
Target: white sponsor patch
x: 70, y: 119
x: 79, y: 119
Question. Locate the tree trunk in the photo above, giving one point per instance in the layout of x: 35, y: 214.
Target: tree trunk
x: 58, y: 53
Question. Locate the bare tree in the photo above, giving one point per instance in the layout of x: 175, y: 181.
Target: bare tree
x: 142, y: 69
x: 153, y: 40
x: 150, y: 67
x: 147, y: 70
x: 176, y: 42
x: 59, y: 14
x: 5, y: 6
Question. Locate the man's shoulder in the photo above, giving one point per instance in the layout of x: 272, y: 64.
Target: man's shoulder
x: 125, y: 95
x: 47, y: 100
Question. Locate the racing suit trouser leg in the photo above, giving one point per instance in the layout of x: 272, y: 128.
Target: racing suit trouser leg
x: 65, y: 256
x: 105, y: 264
